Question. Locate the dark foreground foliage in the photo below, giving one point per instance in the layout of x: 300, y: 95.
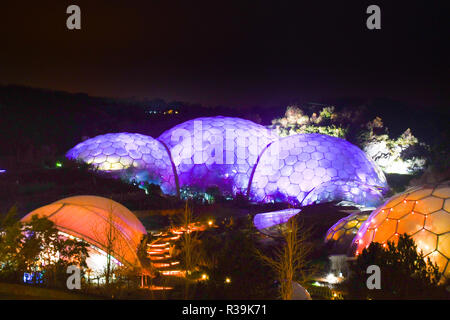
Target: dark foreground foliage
x: 405, y: 274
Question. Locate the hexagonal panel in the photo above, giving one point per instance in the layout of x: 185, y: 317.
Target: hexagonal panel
x: 429, y: 204
x: 410, y: 224
x: 438, y: 222
x: 401, y: 209
x: 442, y: 193
x: 444, y: 244
x: 426, y: 241
x: 385, y: 230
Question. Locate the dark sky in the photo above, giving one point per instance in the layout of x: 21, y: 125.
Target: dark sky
x: 244, y: 53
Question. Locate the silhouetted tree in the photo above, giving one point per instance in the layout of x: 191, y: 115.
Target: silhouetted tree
x: 405, y: 274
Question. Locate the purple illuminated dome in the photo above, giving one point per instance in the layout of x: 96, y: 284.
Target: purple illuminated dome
x: 216, y: 151
x: 294, y: 166
x: 239, y: 156
x: 128, y: 155
x: 348, y: 190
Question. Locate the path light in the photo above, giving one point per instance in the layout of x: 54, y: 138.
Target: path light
x: 331, y: 278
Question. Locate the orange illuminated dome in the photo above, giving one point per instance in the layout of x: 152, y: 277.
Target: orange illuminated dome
x: 99, y: 221
x: 421, y: 212
x: 343, y: 231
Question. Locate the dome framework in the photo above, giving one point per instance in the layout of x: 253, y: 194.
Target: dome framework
x: 238, y: 156
x: 296, y: 165
x: 421, y: 212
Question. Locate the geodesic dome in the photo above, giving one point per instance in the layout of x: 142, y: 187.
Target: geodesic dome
x: 129, y: 155
x: 294, y: 165
x: 421, y: 212
x: 216, y: 151
x: 344, y: 231
x: 92, y: 218
x: 348, y: 190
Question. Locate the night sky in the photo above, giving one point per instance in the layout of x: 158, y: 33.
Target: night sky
x: 237, y: 54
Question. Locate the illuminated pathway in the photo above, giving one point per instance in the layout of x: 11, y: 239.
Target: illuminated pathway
x: 160, y: 252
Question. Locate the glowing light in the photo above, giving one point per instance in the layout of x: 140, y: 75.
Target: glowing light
x: 317, y: 284
x: 177, y: 273
x: 331, y: 278
x: 159, y: 245
x: 227, y: 280
x: 210, y: 223
x: 269, y: 219
x: 58, y: 164
x: 157, y: 258
x: 154, y: 252
x: 161, y: 265
x: 158, y: 288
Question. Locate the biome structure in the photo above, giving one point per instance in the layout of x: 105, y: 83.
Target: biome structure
x: 219, y: 151
x: 421, y: 212
x: 134, y: 156
x: 301, y: 164
x: 90, y: 218
x: 344, y: 231
x: 239, y: 157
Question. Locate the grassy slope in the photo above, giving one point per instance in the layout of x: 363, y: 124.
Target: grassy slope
x: 23, y: 292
